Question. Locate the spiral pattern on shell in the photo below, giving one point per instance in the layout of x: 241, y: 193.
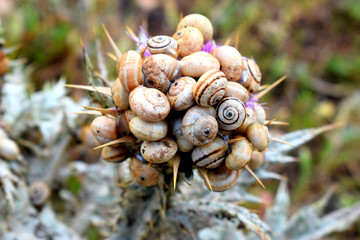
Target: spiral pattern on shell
x: 190, y: 40
x: 181, y: 94
x: 251, y: 76
x: 200, y: 22
x: 163, y: 44
x: 39, y: 193
x: 210, y: 88
x: 230, y: 113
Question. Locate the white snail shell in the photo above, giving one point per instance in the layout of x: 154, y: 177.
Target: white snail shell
x: 199, y: 125
x: 129, y: 70
x: 147, y: 131
x: 240, y: 155
x: 149, y: 103
x: 230, y: 61
x: 190, y: 40
x: 159, y: 70
x: 211, y: 154
x: 221, y: 178
x: 117, y: 153
x: 210, y: 88
x: 249, y: 118
x: 260, y: 114
x: 251, y: 76
x: 8, y: 149
x: 181, y: 94
x: 256, y: 160
x: 120, y: 95
x: 104, y: 129
x: 163, y: 44
x: 200, y: 22
x: 197, y: 63
x: 258, y: 135
x: 159, y: 151
x: 230, y: 113
x: 183, y: 144
x: 142, y: 173
x: 235, y: 89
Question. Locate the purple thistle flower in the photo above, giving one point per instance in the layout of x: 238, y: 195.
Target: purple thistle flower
x: 209, y: 46
x: 254, y: 101
x: 141, y: 44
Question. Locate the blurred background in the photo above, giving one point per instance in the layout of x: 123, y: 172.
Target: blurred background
x: 315, y: 43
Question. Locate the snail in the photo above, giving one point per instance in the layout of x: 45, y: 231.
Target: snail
x: 210, y: 155
x: 251, y: 76
x: 149, y: 104
x: 230, y: 113
x: 199, y: 125
x: 240, y: 154
x: 9, y: 149
x: 142, y: 173
x: 4, y: 62
x: 120, y: 95
x: 258, y: 135
x: 200, y: 22
x: 147, y: 131
x: 249, y: 118
x: 163, y: 44
x: 39, y: 193
x: 104, y: 129
x: 210, y: 88
x: 197, y: 63
x: 230, y: 61
x: 159, y: 70
x: 129, y: 70
x: 190, y: 40
x: 183, y: 144
x: 117, y: 153
x: 235, y: 89
x: 256, y: 160
x: 181, y: 94
x: 260, y: 114
x: 159, y: 151
x: 221, y: 178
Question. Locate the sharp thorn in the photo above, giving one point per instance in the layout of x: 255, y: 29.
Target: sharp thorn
x: 282, y: 141
x: 254, y: 175
x: 113, y: 112
x: 227, y: 42
x: 127, y: 138
x: 269, y: 122
x: 176, y: 163
x: 261, y: 94
x: 106, y: 81
x: 97, y: 113
x: 102, y: 90
x: 273, y: 122
x: 206, y: 177
x: 113, y: 45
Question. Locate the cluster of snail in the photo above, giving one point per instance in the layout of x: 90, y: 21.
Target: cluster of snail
x: 184, y: 97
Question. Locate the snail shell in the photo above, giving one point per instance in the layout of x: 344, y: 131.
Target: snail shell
x: 190, y: 40
x: 197, y: 63
x: 8, y: 149
x: 221, y: 178
x: 256, y: 160
x: 199, y: 125
x: 210, y: 88
x: 147, y: 131
x: 104, y: 129
x: 200, y: 22
x: 230, y: 61
x: 129, y: 70
x: 211, y: 154
x: 251, y: 76
x: 115, y: 154
x: 235, y: 89
x: 120, y: 95
x: 160, y: 151
x: 249, y: 118
x: 181, y: 94
x: 240, y: 155
x: 39, y: 193
x: 159, y: 70
x: 230, y: 113
x: 163, y: 44
x: 258, y: 135
x: 149, y: 103
x: 183, y: 144
x: 4, y: 62
x: 142, y: 173
x: 260, y: 114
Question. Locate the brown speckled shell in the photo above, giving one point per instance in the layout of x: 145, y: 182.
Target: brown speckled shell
x: 200, y: 22
x: 142, y: 173
x: 181, y: 94
x: 104, y: 129
x: 129, y: 70
x: 231, y: 62
x: 189, y: 39
x: 159, y: 151
x: 197, y: 63
x: 211, y: 154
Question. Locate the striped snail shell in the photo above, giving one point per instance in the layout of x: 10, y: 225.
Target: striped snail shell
x: 149, y: 103
x: 249, y: 118
x: 117, y: 153
x: 251, y: 76
x: 197, y: 63
x: 230, y: 61
x: 120, y: 95
x: 159, y: 70
x: 39, y: 193
x: 142, y: 173
x: 235, y: 89
x: 190, y: 40
x: 260, y: 114
x: 211, y: 154
x: 4, y: 62
x: 230, y: 113
x: 9, y: 149
x: 181, y: 94
x: 256, y: 160
x: 210, y: 88
x: 129, y: 70
x: 104, y: 129
x: 159, y: 151
x: 200, y: 22
x: 147, y: 131
x: 183, y: 144
x: 258, y: 135
x: 163, y: 44
x: 199, y: 125
x: 240, y: 154
x: 221, y: 178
